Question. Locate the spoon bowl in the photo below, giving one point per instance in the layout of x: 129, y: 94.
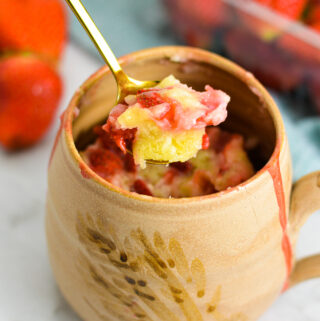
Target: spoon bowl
x: 129, y: 86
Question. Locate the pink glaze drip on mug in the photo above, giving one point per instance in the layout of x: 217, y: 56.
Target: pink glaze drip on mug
x: 286, y: 245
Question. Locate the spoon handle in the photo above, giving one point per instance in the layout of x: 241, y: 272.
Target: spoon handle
x: 97, y: 38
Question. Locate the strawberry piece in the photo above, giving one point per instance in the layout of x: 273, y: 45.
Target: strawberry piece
x: 163, y: 108
x: 140, y: 187
x: 219, y: 139
x: 129, y: 164
x: 205, y: 141
x: 184, y: 167
x: 148, y: 99
x: 104, y: 162
x: 170, y: 175
x: 30, y: 91
x: 122, y: 137
x: 202, y: 182
x: 105, y: 138
x: 33, y: 25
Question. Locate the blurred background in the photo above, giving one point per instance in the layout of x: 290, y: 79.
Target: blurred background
x: 46, y: 55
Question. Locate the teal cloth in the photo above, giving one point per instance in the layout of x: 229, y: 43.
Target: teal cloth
x: 130, y: 25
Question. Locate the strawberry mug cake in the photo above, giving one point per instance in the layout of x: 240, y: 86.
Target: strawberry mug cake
x: 172, y: 123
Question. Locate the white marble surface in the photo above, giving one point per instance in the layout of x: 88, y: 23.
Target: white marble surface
x: 27, y: 288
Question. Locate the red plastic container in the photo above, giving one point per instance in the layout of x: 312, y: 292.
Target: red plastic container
x: 283, y: 54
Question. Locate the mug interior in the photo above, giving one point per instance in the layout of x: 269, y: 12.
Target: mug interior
x: 248, y: 112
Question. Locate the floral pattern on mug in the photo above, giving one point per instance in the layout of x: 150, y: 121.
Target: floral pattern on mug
x: 120, y: 272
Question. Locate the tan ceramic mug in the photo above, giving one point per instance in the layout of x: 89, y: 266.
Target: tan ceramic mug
x: 121, y: 256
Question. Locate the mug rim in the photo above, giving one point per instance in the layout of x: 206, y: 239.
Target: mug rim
x: 193, y: 54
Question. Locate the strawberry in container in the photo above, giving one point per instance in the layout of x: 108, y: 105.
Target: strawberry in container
x: 280, y: 39
x: 279, y: 70
x: 257, y: 38
x: 263, y: 17
x: 295, y: 42
x: 242, y: 30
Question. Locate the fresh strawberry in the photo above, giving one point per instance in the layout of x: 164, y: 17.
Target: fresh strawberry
x: 30, y: 90
x: 292, y: 9
x: 37, y: 26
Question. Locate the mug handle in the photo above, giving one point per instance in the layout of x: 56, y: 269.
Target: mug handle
x: 305, y: 200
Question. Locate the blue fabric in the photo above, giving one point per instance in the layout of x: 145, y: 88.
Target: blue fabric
x: 304, y: 138
x: 127, y: 25
x: 130, y: 25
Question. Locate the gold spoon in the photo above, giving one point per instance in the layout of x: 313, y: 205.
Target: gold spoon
x: 126, y: 85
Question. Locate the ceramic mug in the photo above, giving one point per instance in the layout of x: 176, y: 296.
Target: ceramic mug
x: 118, y: 255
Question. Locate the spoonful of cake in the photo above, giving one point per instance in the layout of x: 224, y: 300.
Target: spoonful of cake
x: 158, y: 122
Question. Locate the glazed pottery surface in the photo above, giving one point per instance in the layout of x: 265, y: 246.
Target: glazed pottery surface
x: 121, y: 256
